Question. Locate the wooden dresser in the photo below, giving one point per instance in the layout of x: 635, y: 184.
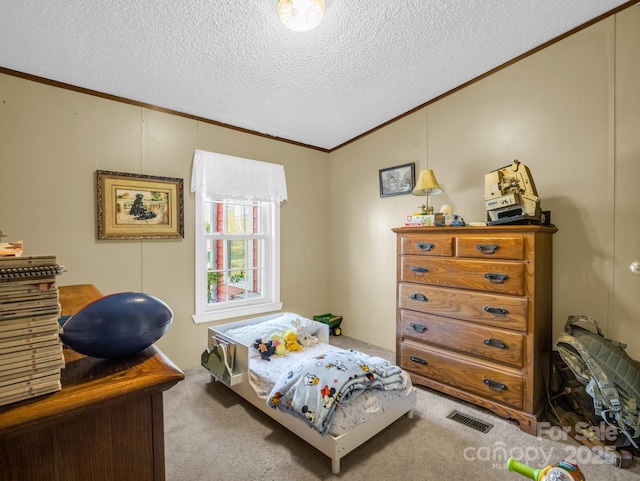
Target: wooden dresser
x: 474, y: 314
x: 106, y: 424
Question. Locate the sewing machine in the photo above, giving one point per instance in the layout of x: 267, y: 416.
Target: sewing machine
x: 510, y: 196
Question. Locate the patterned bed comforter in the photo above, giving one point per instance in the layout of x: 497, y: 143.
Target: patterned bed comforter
x: 313, y: 389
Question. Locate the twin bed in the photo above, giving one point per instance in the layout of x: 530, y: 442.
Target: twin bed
x: 377, y: 392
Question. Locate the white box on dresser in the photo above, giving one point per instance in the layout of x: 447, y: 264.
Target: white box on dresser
x: 474, y: 314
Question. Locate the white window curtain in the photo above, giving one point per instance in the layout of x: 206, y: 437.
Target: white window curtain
x: 219, y: 175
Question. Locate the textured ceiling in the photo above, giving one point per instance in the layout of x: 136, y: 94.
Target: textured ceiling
x: 233, y: 62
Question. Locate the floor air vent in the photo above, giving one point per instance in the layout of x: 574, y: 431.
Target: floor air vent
x: 470, y: 421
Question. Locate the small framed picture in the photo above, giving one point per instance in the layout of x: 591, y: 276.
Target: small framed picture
x: 135, y: 206
x: 398, y: 180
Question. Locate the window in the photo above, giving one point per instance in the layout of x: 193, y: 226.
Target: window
x: 237, y: 236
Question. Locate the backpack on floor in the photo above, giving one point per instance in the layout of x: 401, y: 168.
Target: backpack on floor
x: 609, y: 375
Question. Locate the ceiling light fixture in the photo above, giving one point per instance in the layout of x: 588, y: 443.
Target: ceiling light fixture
x: 301, y: 15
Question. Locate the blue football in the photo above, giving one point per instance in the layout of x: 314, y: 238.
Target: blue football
x: 117, y: 325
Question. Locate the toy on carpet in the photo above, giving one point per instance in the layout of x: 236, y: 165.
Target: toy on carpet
x: 561, y: 471
x: 332, y: 321
x: 266, y: 349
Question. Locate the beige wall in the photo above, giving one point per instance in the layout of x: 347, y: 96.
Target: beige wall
x: 555, y: 111
x: 569, y: 112
x: 625, y: 290
x: 53, y: 140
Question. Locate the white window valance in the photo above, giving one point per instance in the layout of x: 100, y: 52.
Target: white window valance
x: 220, y: 175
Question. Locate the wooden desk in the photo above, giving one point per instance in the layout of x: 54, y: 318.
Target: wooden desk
x: 106, y: 424
x: 73, y: 298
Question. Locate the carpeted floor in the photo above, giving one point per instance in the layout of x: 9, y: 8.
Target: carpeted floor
x: 213, y: 434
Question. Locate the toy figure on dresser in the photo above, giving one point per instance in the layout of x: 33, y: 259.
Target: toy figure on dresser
x: 457, y: 221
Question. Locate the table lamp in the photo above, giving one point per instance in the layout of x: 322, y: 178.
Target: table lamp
x: 427, y: 185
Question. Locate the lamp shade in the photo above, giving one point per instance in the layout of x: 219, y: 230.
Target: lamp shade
x: 301, y: 15
x: 427, y: 184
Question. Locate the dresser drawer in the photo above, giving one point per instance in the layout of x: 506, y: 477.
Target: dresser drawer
x: 426, y: 245
x: 489, y: 381
x: 491, y: 309
x: 490, y: 276
x: 498, y: 345
x: 504, y: 247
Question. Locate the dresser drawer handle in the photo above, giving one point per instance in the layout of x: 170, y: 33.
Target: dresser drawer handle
x: 495, y: 385
x: 496, y: 278
x: 418, y: 360
x: 497, y: 343
x: 425, y: 246
x: 419, y: 297
x: 418, y: 270
x: 487, y: 248
x: 496, y: 310
x: 418, y: 327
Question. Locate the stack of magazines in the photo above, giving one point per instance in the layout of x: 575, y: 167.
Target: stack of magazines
x: 30, y: 348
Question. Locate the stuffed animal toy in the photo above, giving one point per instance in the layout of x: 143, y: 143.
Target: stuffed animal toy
x: 305, y: 338
x: 280, y: 344
x: 266, y: 349
x: 291, y: 341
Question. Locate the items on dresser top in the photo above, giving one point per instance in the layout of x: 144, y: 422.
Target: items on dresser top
x: 474, y: 314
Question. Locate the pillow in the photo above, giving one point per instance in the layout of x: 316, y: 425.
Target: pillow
x: 264, y: 330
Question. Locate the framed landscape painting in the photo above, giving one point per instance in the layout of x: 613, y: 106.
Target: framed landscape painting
x: 136, y: 206
x: 397, y: 180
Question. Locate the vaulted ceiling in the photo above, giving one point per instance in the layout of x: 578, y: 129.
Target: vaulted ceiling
x: 233, y: 62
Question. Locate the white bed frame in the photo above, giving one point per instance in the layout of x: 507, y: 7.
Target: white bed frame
x: 333, y: 446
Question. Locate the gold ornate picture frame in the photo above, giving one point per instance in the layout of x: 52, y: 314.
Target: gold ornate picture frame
x: 137, y: 206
